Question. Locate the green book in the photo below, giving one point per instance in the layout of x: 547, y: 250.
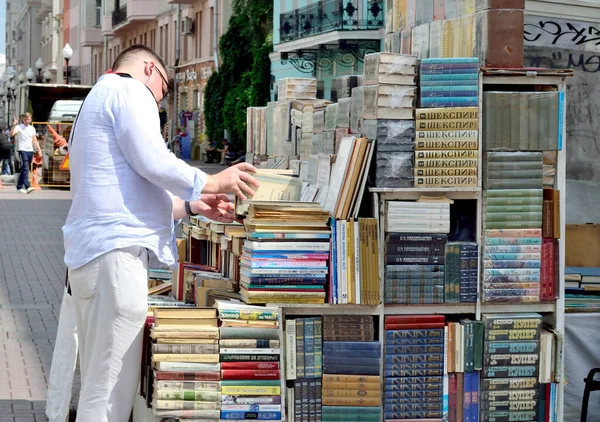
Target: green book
x: 187, y: 395
x: 477, y: 345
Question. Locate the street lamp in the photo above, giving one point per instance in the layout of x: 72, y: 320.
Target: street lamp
x: 21, y: 78
x: 29, y: 75
x: 39, y: 65
x: 10, y: 95
x: 47, y: 76
x: 67, y: 54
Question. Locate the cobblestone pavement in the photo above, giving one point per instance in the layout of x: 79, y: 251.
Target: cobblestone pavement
x: 31, y: 277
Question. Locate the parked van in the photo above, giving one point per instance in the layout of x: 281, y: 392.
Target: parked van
x: 65, y: 111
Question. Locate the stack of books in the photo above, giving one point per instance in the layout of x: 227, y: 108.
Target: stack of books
x: 446, y: 147
x: 522, y: 121
x: 250, y: 355
x: 449, y: 82
x: 290, y: 89
x: 513, y: 211
x: 414, y: 271
x: 414, y: 367
x: 304, y: 367
x: 512, y: 280
x: 388, y: 101
x: 350, y: 353
x: 185, y: 357
x: 285, y: 256
x: 509, y: 389
x: 395, y: 141
x: 417, y: 217
x: 461, y: 272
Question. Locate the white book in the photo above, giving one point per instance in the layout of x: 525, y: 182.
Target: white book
x: 416, y: 204
x: 338, y: 235
x: 187, y: 366
x: 338, y: 173
x: 446, y: 354
x: 344, y: 284
x: 287, y: 246
x: 249, y: 351
x: 290, y: 349
x: 357, y: 262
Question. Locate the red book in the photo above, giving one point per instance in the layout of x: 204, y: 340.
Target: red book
x: 249, y: 374
x: 188, y: 376
x: 401, y: 319
x: 414, y: 326
x: 250, y: 365
x: 452, y: 397
x: 547, y: 270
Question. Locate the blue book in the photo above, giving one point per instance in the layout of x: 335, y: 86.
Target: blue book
x: 450, y: 77
x: 342, y: 346
x: 260, y: 416
x: 449, y: 102
x: 443, y: 95
x: 456, y: 82
x: 449, y: 60
x: 262, y: 281
x: 449, y: 66
x: 474, y: 71
x: 350, y: 369
x: 451, y: 88
x: 308, y: 236
x: 309, y: 348
x: 561, y: 121
x: 358, y: 360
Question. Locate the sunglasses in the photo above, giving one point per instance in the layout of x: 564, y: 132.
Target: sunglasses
x: 166, y: 82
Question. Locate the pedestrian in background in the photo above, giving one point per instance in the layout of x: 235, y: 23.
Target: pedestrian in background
x: 26, y: 141
x: 127, y: 189
x: 5, y: 150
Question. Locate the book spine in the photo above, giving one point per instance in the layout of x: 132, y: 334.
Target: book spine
x: 251, y: 390
x: 241, y: 374
x: 446, y: 181
x: 445, y: 145
x: 318, y: 347
x: 250, y: 365
x: 290, y: 347
x: 248, y: 358
x: 300, y: 364
x: 309, y: 348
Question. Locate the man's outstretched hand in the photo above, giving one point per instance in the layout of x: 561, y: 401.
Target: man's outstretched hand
x: 236, y: 179
x: 215, y: 207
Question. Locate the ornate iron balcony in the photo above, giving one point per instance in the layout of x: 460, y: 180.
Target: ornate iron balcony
x: 330, y: 15
x: 119, y: 16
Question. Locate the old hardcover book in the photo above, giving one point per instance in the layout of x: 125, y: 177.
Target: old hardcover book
x: 386, y: 68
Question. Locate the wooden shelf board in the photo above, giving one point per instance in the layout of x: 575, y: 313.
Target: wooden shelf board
x: 458, y: 308
x: 517, y: 307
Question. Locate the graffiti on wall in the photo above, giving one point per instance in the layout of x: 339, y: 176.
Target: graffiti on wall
x: 558, y: 43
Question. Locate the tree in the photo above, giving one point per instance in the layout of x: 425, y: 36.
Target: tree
x: 244, y: 77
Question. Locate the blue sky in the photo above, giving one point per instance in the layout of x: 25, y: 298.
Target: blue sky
x: 2, y: 25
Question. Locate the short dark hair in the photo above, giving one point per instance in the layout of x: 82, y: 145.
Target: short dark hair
x: 137, y: 48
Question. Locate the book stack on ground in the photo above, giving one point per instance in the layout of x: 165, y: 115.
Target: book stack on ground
x: 285, y: 256
x: 414, y: 367
x: 296, y: 89
x: 414, y: 271
x: 388, y: 115
x: 463, y: 360
x: 304, y: 368
x: 461, y: 269
x: 446, y: 147
x: 394, y: 140
x: 250, y: 356
x: 350, y: 353
x: 509, y: 384
x: 185, y: 357
x: 523, y: 121
x: 449, y: 82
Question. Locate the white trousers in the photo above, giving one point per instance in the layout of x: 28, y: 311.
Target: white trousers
x: 64, y: 360
x: 111, y: 300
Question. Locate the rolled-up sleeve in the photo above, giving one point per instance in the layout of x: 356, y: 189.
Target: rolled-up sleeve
x: 137, y: 130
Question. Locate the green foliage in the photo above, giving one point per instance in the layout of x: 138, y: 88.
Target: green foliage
x: 244, y: 77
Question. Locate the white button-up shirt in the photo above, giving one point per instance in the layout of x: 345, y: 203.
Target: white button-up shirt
x: 121, y: 172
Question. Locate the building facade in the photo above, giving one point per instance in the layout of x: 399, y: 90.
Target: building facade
x: 182, y: 32
x: 23, y: 33
x: 324, y: 39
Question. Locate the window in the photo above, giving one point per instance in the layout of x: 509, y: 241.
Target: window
x: 153, y: 39
x: 162, y: 43
x: 98, y: 13
x: 197, y: 39
x: 146, y: 39
x: 212, y: 31
x: 166, y: 44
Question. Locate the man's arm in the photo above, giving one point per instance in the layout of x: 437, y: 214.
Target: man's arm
x: 137, y: 128
x: 36, y: 144
x: 15, y: 129
x: 216, y: 207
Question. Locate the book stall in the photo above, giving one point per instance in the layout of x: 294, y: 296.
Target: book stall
x: 403, y: 258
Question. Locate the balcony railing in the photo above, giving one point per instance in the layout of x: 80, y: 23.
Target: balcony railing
x: 331, y: 15
x: 119, y: 16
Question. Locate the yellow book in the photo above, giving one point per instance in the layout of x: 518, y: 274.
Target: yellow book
x: 249, y: 323
x: 186, y: 341
x: 252, y: 390
x: 184, y: 357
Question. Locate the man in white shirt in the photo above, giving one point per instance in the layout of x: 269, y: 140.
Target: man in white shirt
x: 128, y: 189
x: 26, y: 140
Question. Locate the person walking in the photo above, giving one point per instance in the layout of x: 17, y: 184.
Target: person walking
x: 5, y: 151
x: 26, y: 141
x: 127, y: 190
